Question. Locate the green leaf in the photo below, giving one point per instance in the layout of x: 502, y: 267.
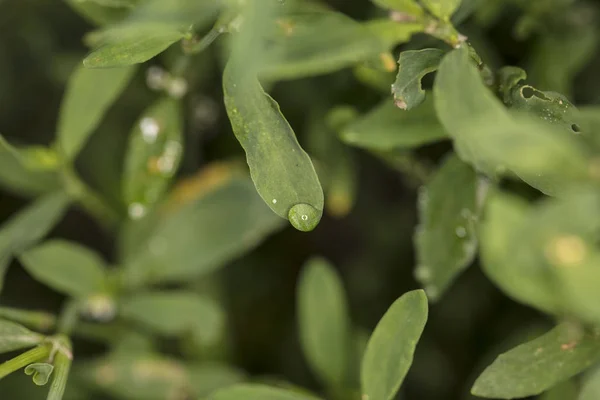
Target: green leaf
x: 563, y: 391
x: 446, y: 238
x: 442, y: 9
x: 176, y: 313
x: 323, y: 321
x: 388, y: 128
x: 391, y: 348
x: 203, y: 236
x: 137, y: 377
x: 208, y: 377
x: 28, y: 170
x: 29, y: 226
x: 536, y: 366
x: 153, y: 156
x: 259, y: 392
x: 88, y: 96
x: 393, y: 33
x: 66, y: 267
x: 413, y: 66
x: 504, y: 215
x: 410, y: 7
x: 41, y: 372
x: 590, y: 387
x: 96, y: 13
x: 539, y: 154
x: 131, y: 50
x: 550, y: 254
x: 508, y: 79
x: 113, y: 3
x: 282, y: 172
x: 15, y: 337
x: 314, y: 43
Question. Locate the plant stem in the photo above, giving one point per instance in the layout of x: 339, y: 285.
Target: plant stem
x: 88, y: 199
x: 68, y: 317
x: 38, y: 320
x: 24, y: 359
x: 62, y: 365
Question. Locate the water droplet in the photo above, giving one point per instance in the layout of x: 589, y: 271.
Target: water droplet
x: 461, y: 232
x: 274, y: 201
x: 156, y: 78
x: 177, y: 88
x: 136, y: 211
x: 150, y: 129
x: 423, y: 273
x: 304, y: 217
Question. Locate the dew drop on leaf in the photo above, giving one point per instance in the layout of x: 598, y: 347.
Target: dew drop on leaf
x: 150, y: 129
x: 136, y: 210
x: 304, y: 217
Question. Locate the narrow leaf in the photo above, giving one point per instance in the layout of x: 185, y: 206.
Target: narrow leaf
x: 203, y: 235
x: 391, y: 348
x: 320, y: 42
x: 88, y: 96
x: 14, y: 337
x: 153, y: 156
x: 282, y: 172
x: 536, y: 366
x: 413, y: 66
x: 388, y: 128
x: 259, y: 392
x: 131, y: 51
x: 40, y: 372
x: 446, y: 238
x: 66, y: 267
x: 29, y: 226
x: 324, y: 322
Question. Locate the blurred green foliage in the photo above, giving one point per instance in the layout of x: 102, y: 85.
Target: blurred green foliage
x: 156, y: 156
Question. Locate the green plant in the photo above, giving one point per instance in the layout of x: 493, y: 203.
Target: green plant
x: 517, y: 185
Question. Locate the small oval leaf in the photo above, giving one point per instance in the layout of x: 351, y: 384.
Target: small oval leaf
x: 41, y: 372
x: 66, y: 267
x: 323, y: 321
x: 391, y: 348
x: 413, y: 65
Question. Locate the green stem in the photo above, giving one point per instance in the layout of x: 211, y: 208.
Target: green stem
x: 88, y: 199
x: 195, y: 47
x: 38, y: 320
x: 68, y: 317
x: 36, y: 354
x: 62, y: 365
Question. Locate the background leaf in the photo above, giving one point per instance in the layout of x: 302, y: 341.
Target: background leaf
x: 391, y: 348
x: 14, y: 337
x: 446, y: 238
x: 175, y: 313
x: 153, y: 156
x: 388, y: 128
x: 20, y: 177
x: 442, y: 9
x: 29, y: 226
x: 66, y: 267
x: 259, y: 392
x: 203, y: 235
x: 536, y: 366
x: 323, y: 321
x: 88, y: 97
